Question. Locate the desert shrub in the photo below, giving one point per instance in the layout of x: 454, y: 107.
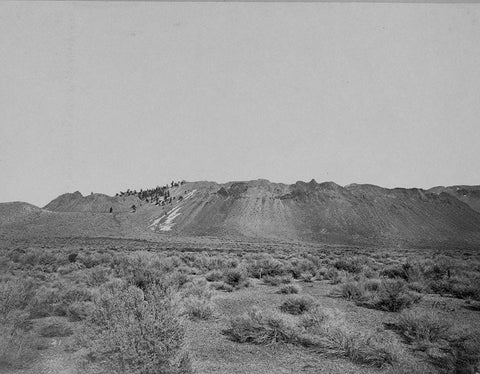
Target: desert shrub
x: 144, y: 271
x: 289, y: 289
x: 276, y: 280
x: 436, y: 337
x: 90, y: 260
x: 235, y: 277
x: 260, y: 266
x: 332, y: 275
x: 72, y: 257
x: 303, y: 266
x: 98, y: 275
x: 307, y: 276
x: 343, y: 341
x: 394, y: 271
x: 17, y: 342
x: 70, y: 268
x: 75, y: 293
x: 14, y: 295
x: 465, y: 356
x: 259, y: 327
x: 132, y: 331
x: 214, y: 276
x: 312, y: 320
x: 174, y: 280
x: 79, y: 310
x: 221, y: 286
x: 418, y: 287
x: 56, y: 302
x: 350, y: 264
x: 197, y: 308
x: 55, y: 329
x: 322, y: 273
x: 423, y: 327
x: 352, y: 290
x: 47, y: 301
x: 313, y: 332
x: 392, y: 296
x: 372, y: 284
x: 466, y: 288
x: 297, y: 304
x: 198, y: 288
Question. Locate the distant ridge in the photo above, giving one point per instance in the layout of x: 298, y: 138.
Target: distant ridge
x: 304, y: 211
x: 76, y: 202
x: 468, y: 194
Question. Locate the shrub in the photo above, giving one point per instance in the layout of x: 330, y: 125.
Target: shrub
x: 132, y: 331
x: 174, y: 280
x: 343, y: 341
x: 276, y: 280
x: 17, y: 342
x: 422, y: 326
x: 45, y: 302
x: 466, y: 288
x: 197, y: 289
x: 196, y: 308
x: 265, y: 265
x: 434, y: 335
x: 289, y: 289
x: 98, y: 275
x: 235, y: 277
x: 221, y: 286
x: 297, y: 304
x: 392, y: 296
x: 312, y: 320
x: 394, y: 271
x: 55, y: 329
x: 72, y: 257
x: 79, y: 310
x: 352, y: 290
x: 214, y: 276
x: 352, y: 265
x: 465, y: 356
x: 260, y: 328
x: 14, y: 295
x: 331, y: 274
x: 312, y: 332
x: 302, y: 266
x: 307, y: 276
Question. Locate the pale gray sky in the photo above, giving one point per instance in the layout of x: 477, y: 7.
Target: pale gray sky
x: 105, y: 96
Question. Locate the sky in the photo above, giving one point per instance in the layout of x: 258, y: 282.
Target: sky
x: 105, y: 96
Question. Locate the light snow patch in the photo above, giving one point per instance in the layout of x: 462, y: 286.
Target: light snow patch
x: 189, y: 195
x: 171, y: 215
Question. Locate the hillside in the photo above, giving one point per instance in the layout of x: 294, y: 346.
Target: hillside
x: 16, y: 211
x: 321, y: 212
x: 470, y: 195
x: 262, y: 210
x: 100, y: 203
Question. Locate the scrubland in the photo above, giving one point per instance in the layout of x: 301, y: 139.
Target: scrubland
x: 118, y: 306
